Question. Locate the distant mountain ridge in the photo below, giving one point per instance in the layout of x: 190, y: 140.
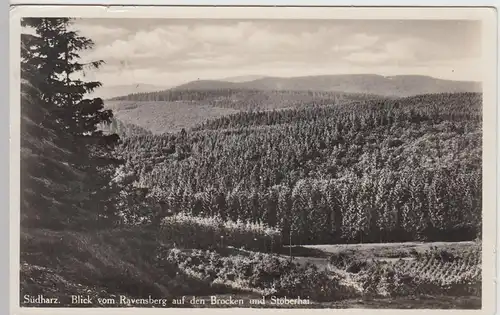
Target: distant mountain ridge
x: 182, y: 106
x: 399, y: 85
x: 243, y: 78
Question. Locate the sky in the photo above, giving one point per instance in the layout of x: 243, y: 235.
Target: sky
x: 167, y: 52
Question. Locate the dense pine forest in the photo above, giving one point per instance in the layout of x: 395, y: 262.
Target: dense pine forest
x: 374, y: 171
x: 279, y: 197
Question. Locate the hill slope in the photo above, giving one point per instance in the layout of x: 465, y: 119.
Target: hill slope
x: 160, y: 111
x: 243, y: 78
x: 173, y: 110
x: 160, y: 117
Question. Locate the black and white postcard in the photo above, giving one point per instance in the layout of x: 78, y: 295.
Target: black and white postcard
x: 200, y: 158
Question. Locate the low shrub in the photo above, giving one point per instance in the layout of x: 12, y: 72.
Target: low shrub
x: 187, y: 231
x: 347, y: 262
x: 435, y: 272
x: 440, y: 254
x: 262, y: 273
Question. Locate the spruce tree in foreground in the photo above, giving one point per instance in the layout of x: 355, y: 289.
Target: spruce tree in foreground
x: 55, y: 108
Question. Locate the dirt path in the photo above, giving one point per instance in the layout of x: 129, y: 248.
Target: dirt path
x: 390, y: 252
x: 376, y: 250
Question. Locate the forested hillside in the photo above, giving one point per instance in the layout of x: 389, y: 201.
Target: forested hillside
x: 195, y: 102
x: 392, y: 170
x: 248, y: 99
x: 171, y: 111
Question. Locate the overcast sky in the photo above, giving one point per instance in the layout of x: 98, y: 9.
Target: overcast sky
x: 172, y: 52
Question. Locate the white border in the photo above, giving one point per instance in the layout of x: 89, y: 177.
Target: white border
x: 397, y: 3
x: 490, y: 66
x: 298, y: 13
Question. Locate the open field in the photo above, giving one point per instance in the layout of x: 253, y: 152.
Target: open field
x: 160, y: 117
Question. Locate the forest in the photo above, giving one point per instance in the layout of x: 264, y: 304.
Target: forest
x: 399, y: 170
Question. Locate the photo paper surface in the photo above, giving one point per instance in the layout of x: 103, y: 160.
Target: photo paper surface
x: 263, y: 158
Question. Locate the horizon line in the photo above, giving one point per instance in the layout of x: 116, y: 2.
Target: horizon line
x: 228, y: 78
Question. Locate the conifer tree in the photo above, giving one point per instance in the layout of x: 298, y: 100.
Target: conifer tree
x: 52, y: 57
